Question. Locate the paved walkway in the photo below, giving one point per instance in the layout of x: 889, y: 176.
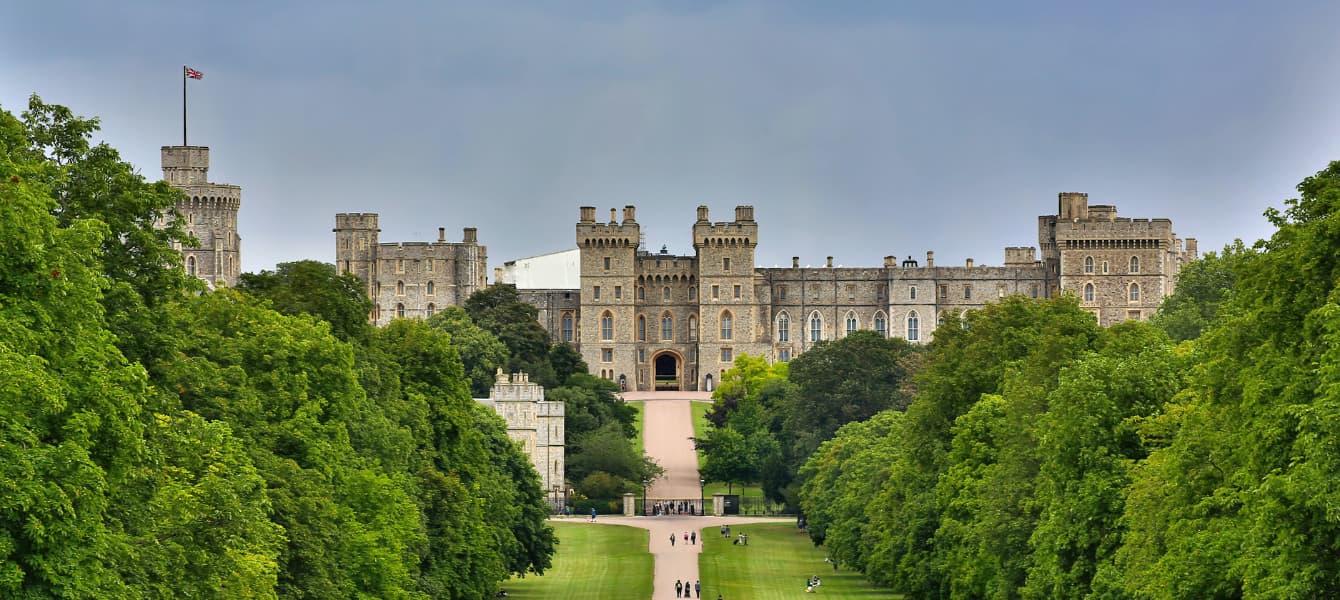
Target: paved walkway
x: 669, y: 425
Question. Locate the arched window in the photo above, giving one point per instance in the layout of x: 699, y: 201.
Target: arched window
x: 816, y: 327
x: 641, y: 293
x: 400, y: 311
x: 641, y: 328
x: 607, y: 326
x: 1088, y: 264
x: 1088, y: 292
x: 1135, y: 264
x: 665, y: 293
x: 667, y: 327
x: 912, y: 293
x: 190, y: 266
x: 881, y: 325
x: 430, y: 288
x: 431, y: 309
x: 693, y: 327
x: 1135, y: 292
x: 913, y: 327
x: 783, y: 328
x: 567, y: 327
x: 400, y: 288
x: 727, y: 330
x: 851, y: 322
x: 693, y: 293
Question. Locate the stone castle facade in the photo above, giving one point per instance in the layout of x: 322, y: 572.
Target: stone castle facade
x: 536, y: 423
x: 210, y: 214
x: 409, y: 279
x: 660, y: 321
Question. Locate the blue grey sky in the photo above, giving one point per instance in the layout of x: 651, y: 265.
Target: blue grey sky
x: 856, y: 129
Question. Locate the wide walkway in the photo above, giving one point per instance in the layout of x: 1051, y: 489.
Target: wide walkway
x: 666, y: 437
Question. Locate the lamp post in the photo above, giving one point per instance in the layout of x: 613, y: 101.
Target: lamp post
x: 645, y: 483
x: 702, y: 497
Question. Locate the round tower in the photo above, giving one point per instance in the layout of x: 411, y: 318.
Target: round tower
x: 210, y: 214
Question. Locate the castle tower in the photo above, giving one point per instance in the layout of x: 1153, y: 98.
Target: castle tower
x: 608, y: 275
x: 731, y: 322
x: 537, y: 424
x: 356, y: 247
x: 210, y: 214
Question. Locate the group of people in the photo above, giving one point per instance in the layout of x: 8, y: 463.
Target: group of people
x: 812, y: 584
x: 684, y: 590
x: 682, y: 507
x: 689, y: 536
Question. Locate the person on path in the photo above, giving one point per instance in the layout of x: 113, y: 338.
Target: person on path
x: 686, y: 536
x: 679, y: 589
x: 672, y: 539
x: 697, y: 589
x: 593, y: 515
x: 693, y: 538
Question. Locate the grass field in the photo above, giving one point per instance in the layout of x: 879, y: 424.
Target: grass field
x: 639, y: 423
x: 775, y: 564
x: 700, y: 422
x: 593, y: 562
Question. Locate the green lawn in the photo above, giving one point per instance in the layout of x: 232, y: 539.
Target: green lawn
x: 593, y: 562
x: 700, y: 422
x: 640, y: 422
x: 775, y: 564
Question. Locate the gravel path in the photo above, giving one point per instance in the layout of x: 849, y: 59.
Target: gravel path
x: 669, y: 425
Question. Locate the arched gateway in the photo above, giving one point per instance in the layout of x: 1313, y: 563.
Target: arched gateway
x: 667, y: 372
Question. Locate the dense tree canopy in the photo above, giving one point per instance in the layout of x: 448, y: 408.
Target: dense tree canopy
x: 161, y: 441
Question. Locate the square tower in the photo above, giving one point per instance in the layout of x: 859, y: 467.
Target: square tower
x: 608, y: 279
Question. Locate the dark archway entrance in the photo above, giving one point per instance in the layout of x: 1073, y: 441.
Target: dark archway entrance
x: 667, y: 372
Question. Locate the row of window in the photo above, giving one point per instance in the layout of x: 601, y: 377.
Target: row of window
x: 1133, y: 266
x: 429, y: 311
x: 429, y: 289
x: 1132, y: 292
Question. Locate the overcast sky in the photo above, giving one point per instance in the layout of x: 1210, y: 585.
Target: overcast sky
x: 856, y: 130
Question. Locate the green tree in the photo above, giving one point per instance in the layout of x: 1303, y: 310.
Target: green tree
x: 842, y: 381
x: 314, y: 288
x: 499, y: 310
x: 481, y: 353
x: 1237, y: 501
x: 1202, y: 286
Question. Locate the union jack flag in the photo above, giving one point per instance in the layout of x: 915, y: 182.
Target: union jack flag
x: 193, y: 74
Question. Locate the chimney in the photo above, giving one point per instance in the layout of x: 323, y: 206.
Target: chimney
x: 889, y: 262
x: 830, y: 262
x: 744, y: 213
x: 1191, y: 248
x: 795, y: 262
x: 628, y: 214
x: 588, y: 214
x: 613, y: 219
x: 702, y: 214
x: 497, y: 274
x: 470, y: 236
x: 441, y: 234
x: 969, y: 263
x: 930, y: 259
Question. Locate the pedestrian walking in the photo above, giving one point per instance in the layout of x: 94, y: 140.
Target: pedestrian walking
x: 679, y: 589
x: 686, y: 536
x: 697, y: 589
x: 672, y: 539
x: 693, y: 538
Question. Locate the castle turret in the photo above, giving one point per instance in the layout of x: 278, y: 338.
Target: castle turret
x: 609, y: 279
x: 210, y: 214
x: 356, y: 247
x: 729, y: 313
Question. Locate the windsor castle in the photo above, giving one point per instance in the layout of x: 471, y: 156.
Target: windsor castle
x: 658, y: 321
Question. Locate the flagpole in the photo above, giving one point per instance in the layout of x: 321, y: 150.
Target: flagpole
x: 183, y: 105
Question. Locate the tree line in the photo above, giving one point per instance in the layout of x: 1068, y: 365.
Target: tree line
x: 158, y: 440
x: 1028, y: 453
